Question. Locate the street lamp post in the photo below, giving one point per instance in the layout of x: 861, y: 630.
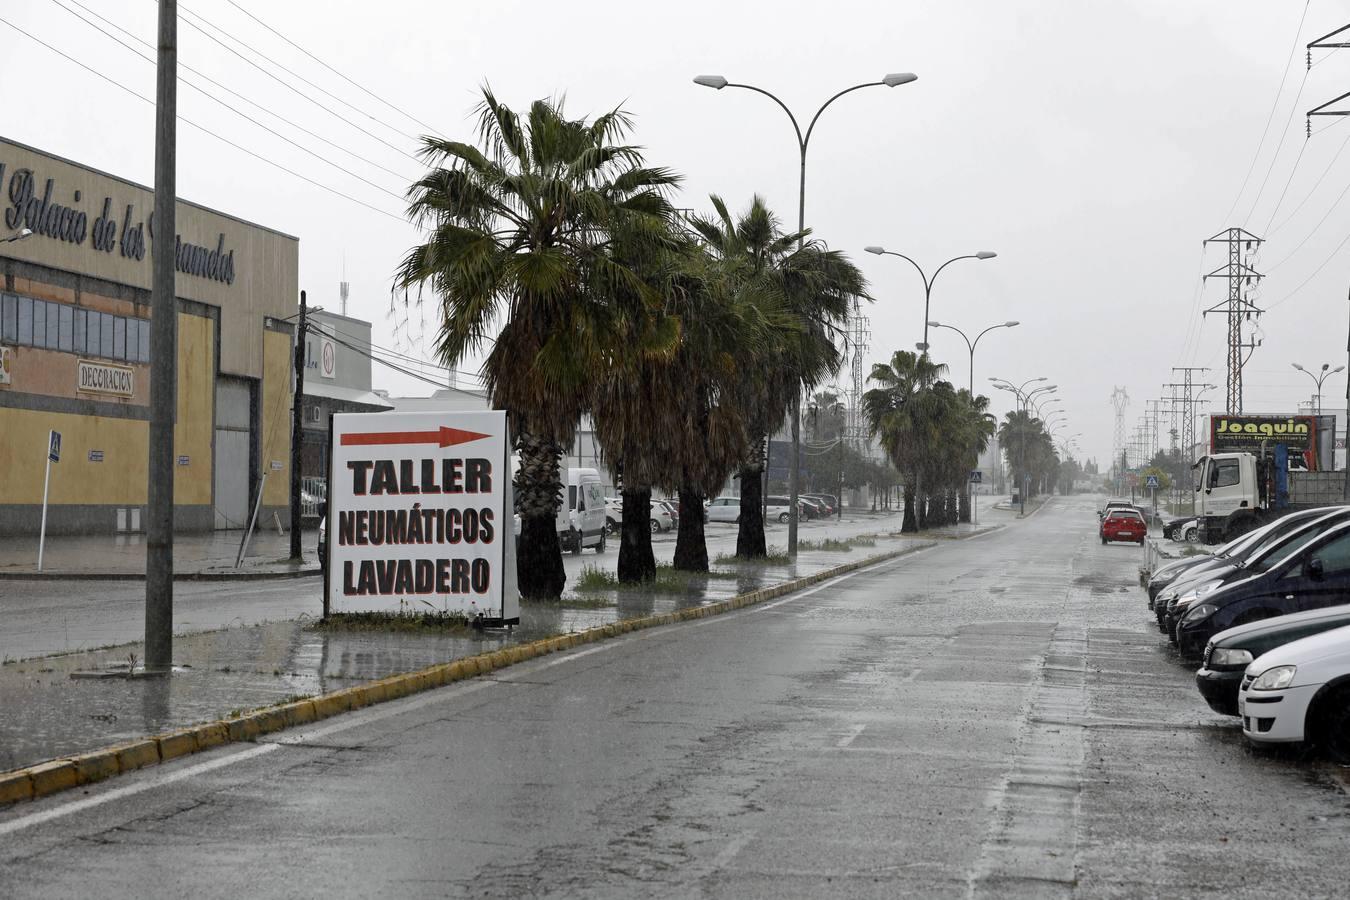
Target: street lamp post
x: 717, y: 82
x: 1023, y: 401
x: 1322, y: 375
x: 971, y: 344
x: 928, y: 282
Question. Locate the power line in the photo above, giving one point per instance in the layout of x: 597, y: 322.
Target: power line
x: 201, y: 128
x: 232, y: 109
x: 207, y: 78
x: 1313, y: 190
x: 285, y: 84
x: 1293, y: 108
x: 1271, y: 116
x: 354, y: 84
x: 294, y: 74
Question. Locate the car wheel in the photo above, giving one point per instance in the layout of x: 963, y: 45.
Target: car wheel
x: 1190, y: 534
x: 655, y: 526
x: 1332, y: 725
x: 783, y: 517
x: 612, y: 525
x: 1103, y: 542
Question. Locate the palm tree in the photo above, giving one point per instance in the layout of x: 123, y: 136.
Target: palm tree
x: 905, y: 412
x: 1029, y: 449
x: 815, y: 287
x: 524, y: 237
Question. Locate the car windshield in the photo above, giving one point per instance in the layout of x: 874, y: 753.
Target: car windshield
x: 1260, y: 555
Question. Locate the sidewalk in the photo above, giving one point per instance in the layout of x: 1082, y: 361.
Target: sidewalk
x: 49, y: 714
x: 205, y: 556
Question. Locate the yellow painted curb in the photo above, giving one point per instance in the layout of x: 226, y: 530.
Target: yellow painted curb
x: 50, y: 777
x: 96, y: 766
x: 16, y: 786
x: 177, y: 743
x: 137, y: 754
x: 62, y: 774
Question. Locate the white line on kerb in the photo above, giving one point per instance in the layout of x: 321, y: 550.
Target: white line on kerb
x: 158, y: 779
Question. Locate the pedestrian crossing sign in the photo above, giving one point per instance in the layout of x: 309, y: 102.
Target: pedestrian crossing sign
x: 1151, y: 482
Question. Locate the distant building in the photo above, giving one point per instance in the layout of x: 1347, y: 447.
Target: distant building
x: 75, y: 312
x: 337, y: 380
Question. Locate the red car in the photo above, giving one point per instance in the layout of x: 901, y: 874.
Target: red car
x: 1123, y: 525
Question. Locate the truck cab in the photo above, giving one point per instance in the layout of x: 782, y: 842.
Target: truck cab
x: 1225, y: 483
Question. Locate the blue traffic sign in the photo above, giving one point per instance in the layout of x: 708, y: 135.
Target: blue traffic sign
x: 54, y: 446
x: 1151, y: 481
x: 976, y: 476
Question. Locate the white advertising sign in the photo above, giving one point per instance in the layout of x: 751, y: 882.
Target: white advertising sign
x: 102, y: 378
x: 6, y: 361
x: 419, y: 514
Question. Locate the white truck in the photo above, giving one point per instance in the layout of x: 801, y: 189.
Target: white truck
x: 1236, y: 492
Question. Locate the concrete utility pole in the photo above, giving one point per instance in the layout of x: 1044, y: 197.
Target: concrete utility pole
x: 1237, y: 306
x: 163, y: 356
x: 297, y: 429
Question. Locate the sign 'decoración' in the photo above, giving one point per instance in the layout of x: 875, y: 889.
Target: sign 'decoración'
x: 418, y: 514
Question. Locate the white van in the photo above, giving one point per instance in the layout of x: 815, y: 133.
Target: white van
x: 586, y: 511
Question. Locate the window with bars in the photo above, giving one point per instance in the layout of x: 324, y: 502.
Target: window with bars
x: 25, y: 321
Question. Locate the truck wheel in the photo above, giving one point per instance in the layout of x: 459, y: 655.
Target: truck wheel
x: 1329, y: 720
x: 574, y: 541
x: 600, y: 547
x: 612, y: 525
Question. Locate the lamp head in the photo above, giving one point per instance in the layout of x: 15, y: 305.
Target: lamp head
x: 1326, y: 366
x: 25, y: 232
x: 895, y: 79
x: 1338, y: 369
x: 1297, y: 366
x: 1011, y: 324
x: 716, y: 82
x: 985, y: 254
x: 932, y: 324
x: 875, y: 250
x: 921, y: 346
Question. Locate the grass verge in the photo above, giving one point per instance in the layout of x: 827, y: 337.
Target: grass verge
x: 668, y: 579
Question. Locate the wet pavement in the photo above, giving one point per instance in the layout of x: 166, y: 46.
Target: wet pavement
x: 209, y: 555
x: 243, y: 666
x: 993, y: 717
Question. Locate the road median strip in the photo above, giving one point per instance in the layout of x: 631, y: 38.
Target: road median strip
x: 54, y: 776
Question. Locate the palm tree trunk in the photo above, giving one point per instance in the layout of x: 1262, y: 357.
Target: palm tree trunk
x: 963, y: 511
x: 908, y: 524
x: 691, y: 546
x: 538, y: 488
x: 750, y: 535
x: 637, y: 563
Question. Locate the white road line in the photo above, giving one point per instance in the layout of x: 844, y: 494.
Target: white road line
x: 358, y: 719
x: 849, y: 738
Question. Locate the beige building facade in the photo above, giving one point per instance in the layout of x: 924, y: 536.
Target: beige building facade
x: 75, y: 355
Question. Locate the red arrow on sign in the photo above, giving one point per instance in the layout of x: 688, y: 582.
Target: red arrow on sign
x: 443, y: 436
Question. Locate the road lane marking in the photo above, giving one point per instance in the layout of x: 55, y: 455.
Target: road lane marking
x: 849, y: 738
x: 359, y: 718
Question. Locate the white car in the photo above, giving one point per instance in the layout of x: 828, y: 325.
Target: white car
x: 1300, y: 692
x: 661, y: 519
x: 724, y: 509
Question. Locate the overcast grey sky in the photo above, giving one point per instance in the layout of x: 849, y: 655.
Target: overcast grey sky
x: 1093, y: 145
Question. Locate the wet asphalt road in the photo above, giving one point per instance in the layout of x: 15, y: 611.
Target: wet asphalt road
x: 43, y: 617
x: 992, y: 717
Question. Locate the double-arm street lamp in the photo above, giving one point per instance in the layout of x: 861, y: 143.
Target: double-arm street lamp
x: 1023, y: 405
x: 971, y: 344
x: 1319, y: 377
x: 717, y: 82
x: 928, y: 282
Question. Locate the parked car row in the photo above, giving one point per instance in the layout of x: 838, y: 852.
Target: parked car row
x: 809, y: 506
x: 1266, y: 617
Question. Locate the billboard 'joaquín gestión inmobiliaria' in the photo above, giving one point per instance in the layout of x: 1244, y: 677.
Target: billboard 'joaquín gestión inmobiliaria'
x: 418, y: 514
